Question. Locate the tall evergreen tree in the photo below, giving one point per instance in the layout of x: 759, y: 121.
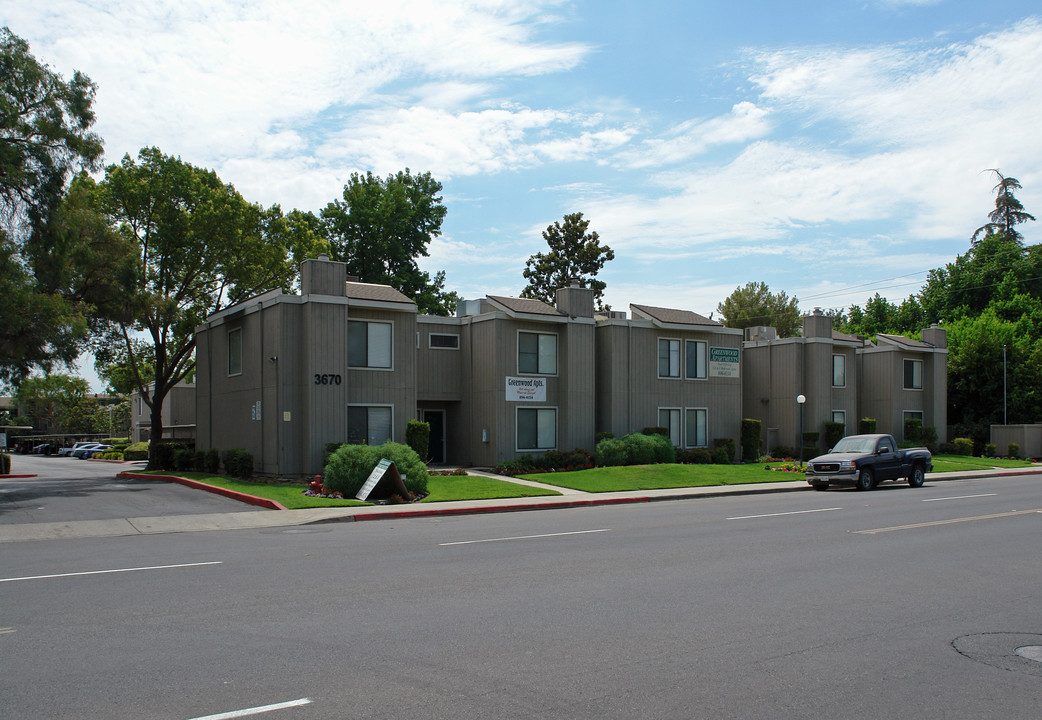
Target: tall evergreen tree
x: 576, y: 255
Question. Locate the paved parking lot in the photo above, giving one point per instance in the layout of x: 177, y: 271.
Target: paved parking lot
x: 68, y: 489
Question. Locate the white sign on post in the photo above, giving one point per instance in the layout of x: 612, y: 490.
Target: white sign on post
x: 374, y: 477
x: 522, y: 389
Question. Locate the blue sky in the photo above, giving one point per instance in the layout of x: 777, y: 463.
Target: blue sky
x: 829, y: 149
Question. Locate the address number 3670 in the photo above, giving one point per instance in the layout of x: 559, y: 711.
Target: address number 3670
x: 327, y: 379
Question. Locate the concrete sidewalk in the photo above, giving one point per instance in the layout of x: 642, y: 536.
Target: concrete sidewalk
x: 289, y: 518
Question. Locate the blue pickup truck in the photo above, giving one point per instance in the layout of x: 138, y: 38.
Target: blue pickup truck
x: 864, y: 461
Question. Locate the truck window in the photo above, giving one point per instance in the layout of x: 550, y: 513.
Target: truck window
x: 884, y: 445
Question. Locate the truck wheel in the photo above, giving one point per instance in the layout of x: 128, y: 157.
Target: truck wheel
x: 820, y: 485
x: 865, y: 479
x: 917, y: 477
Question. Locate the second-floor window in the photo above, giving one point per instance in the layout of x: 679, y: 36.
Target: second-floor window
x: 536, y: 353
x: 913, y: 374
x: 235, y: 351
x: 839, y: 371
x: 695, y: 359
x: 369, y: 344
x: 668, y: 358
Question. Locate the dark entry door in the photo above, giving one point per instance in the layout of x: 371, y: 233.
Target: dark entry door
x: 436, y: 419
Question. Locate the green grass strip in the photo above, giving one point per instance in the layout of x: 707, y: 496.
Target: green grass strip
x: 291, y: 496
x: 444, y: 488
x: 666, y: 475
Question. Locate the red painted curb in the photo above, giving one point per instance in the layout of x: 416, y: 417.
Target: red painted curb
x: 233, y: 494
x: 5, y: 477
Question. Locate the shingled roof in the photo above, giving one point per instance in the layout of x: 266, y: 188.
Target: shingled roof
x: 673, y: 317
x: 525, y: 305
x: 902, y: 341
x: 378, y: 293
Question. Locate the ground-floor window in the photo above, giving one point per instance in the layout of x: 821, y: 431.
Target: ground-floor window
x: 368, y: 424
x: 840, y: 416
x: 669, y: 418
x: 697, y: 427
x: 536, y: 428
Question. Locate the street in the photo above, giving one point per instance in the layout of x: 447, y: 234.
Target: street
x: 893, y: 603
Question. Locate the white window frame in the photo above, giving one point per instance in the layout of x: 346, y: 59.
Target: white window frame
x: 369, y: 406
x: 669, y: 358
x: 904, y: 373
x: 517, y: 428
x: 369, y: 357
x: 237, y: 332
x: 432, y: 346
x: 539, y: 357
x: 701, y: 358
x: 672, y: 427
x: 843, y: 359
x: 704, y: 410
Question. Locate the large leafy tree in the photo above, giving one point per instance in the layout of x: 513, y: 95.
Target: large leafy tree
x: 380, y: 228
x: 47, y: 399
x: 199, y: 247
x: 754, y: 304
x: 45, y: 136
x: 576, y: 254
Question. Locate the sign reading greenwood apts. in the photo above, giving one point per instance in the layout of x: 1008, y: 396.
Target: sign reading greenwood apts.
x: 723, y: 362
x: 526, y: 389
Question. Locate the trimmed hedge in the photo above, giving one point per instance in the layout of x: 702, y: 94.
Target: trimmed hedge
x: 418, y: 437
x: 752, y: 433
x: 238, y: 463
x: 866, y: 426
x: 636, y: 449
x: 963, y: 446
x: 727, y: 444
x: 833, y: 433
x: 137, y: 451
x: 1013, y: 450
x: 5, y: 464
x: 350, y: 465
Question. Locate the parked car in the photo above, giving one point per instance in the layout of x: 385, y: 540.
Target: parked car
x: 79, y: 452
x: 45, y: 449
x: 67, y: 451
x: 92, y: 451
x: 864, y: 461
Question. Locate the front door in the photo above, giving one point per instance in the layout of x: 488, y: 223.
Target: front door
x: 436, y: 419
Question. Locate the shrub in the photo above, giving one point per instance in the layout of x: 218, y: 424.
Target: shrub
x: 810, y: 451
x: 137, y: 451
x: 727, y: 444
x: 721, y: 456
x: 751, y: 434
x: 655, y: 430
x: 1013, y: 450
x: 833, y: 433
x: 947, y: 448
x: 518, y: 466
x: 199, y: 460
x: 603, y: 435
x: 810, y: 438
x: 866, y: 426
x: 783, y: 451
x: 350, y: 466
x: 5, y: 464
x: 562, y: 460
x: 640, y: 449
x: 664, y: 450
x: 963, y: 446
x: 165, y: 452
x: 418, y: 437
x: 990, y: 450
x: 694, y: 456
x: 184, y: 459
x: 110, y: 455
x: 611, y: 452
x: 114, y: 441
x: 238, y: 463
x: 929, y: 436
x: 913, y: 429
x: 213, y: 461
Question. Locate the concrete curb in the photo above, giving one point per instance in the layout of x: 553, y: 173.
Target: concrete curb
x: 233, y: 494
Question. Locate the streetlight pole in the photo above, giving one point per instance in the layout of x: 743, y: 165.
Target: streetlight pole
x: 800, y: 399
x: 1004, y: 385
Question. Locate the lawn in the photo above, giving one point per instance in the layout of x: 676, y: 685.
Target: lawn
x: 441, y: 489
x: 954, y: 463
x: 666, y: 475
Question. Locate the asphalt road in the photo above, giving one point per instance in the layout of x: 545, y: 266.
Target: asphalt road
x: 68, y: 489
x: 896, y: 603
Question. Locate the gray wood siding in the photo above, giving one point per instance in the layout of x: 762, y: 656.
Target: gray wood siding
x: 438, y: 370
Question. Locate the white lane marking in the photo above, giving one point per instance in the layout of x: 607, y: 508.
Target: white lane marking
x: 523, y: 537
x: 103, y: 572
x: 960, y: 497
x: 794, y: 512
x: 937, y: 523
x: 255, y: 710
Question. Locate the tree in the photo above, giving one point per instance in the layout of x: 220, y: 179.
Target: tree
x: 882, y: 316
x: 199, y: 247
x: 45, y: 399
x: 45, y: 136
x: 575, y: 256
x: 382, y: 226
x: 1008, y: 212
x: 755, y: 304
